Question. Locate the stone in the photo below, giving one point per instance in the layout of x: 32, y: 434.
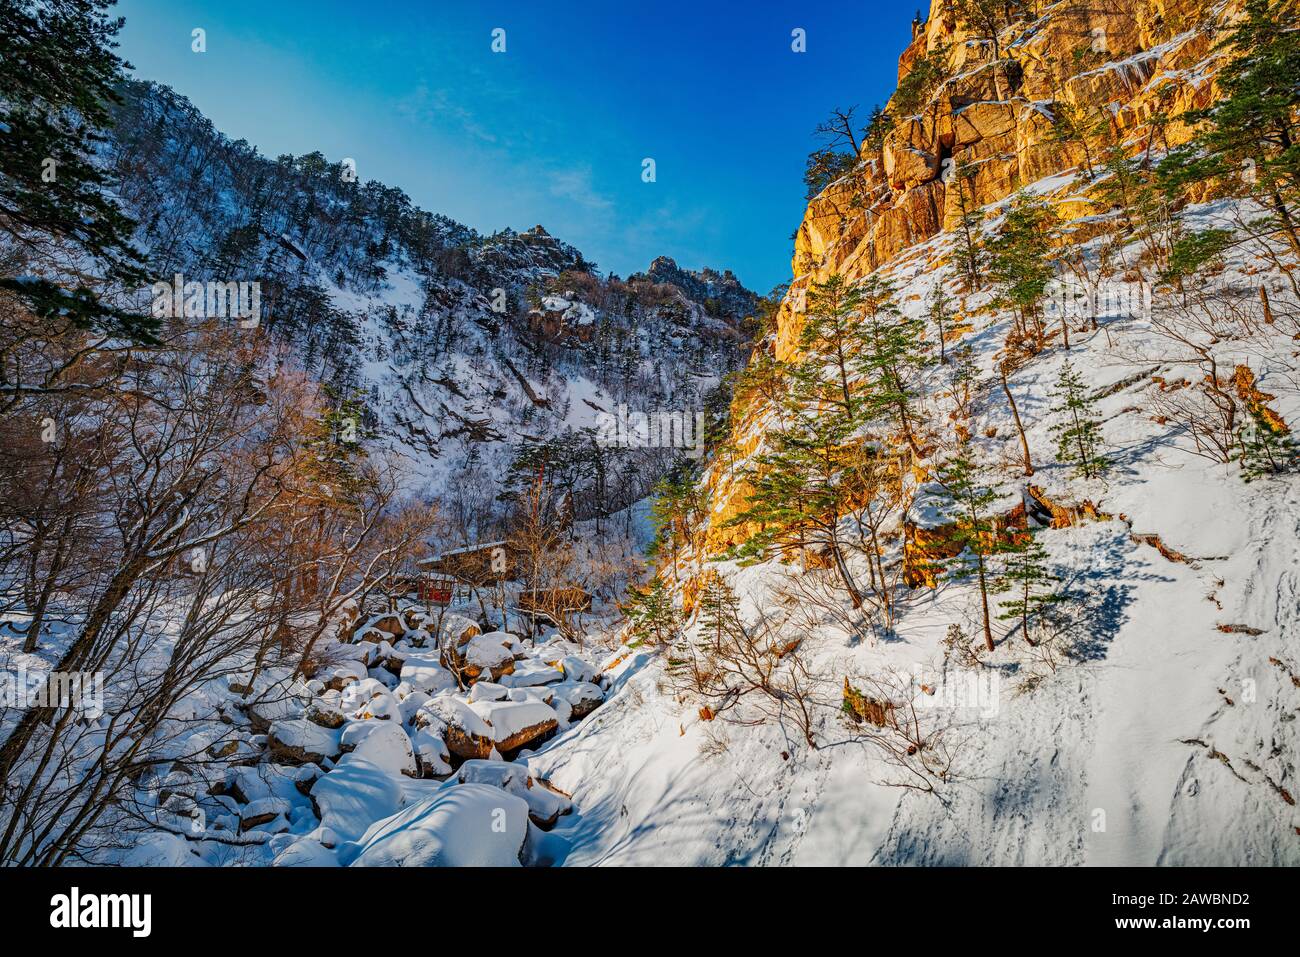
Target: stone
x: 299, y: 741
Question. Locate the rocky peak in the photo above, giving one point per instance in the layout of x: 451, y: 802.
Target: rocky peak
x: 996, y: 117
x: 704, y: 285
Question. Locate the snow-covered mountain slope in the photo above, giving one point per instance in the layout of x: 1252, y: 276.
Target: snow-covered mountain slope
x: 1167, y: 735
x: 455, y: 346
x: 1157, y: 723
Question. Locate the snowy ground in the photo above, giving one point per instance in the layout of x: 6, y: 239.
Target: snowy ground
x: 1170, y: 738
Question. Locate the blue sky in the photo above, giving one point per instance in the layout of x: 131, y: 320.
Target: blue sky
x: 554, y: 130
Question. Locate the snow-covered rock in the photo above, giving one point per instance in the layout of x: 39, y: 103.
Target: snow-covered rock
x: 299, y: 741
x: 487, y: 691
x: 583, y: 697
x: 381, y: 743
x: 465, y: 825
x: 492, y: 653
x: 342, y: 673
x: 465, y: 732
x: 531, y: 672
x: 409, y: 701
x: 545, y: 805
x: 578, y: 669
x: 369, y: 699
x: 432, y: 752
x: 353, y: 796
x: 516, y: 723
x: 427, y: 674
x: 305, y: 852
x: 326, y: 710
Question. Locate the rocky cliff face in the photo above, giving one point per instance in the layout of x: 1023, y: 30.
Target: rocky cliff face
x: 990, y: 129
x: 1138, y: 59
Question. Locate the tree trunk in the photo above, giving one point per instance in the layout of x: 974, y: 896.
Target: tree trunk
x: 855, y: 596
x: 1020, y: 428
x: 25, y: 729
x: 984, y: 599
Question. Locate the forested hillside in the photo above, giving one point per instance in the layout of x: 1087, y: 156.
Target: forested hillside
x: 243, y: 398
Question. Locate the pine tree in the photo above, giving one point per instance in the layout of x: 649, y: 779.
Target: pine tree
x: 830, y: 339
x: 674, y: 510
x: 940, y: 310
x: 873, y: 136
x: 58, y: 77
x: 1031, y: 585
x: 651, y: 613
x: 965, y: 378
x: 1191, y: 252
x: 1078, y: 434
x: 970, y: 225
x: 718, y: 610
x: 1252, y: 127
x: 801, y: 483
x: 838, y: 157
x: 337, y: 440
x: 801, y: 486
x: 892, y: 350
x: 975, y: 530
x: 1020, y: 264
x: 1266, y: 447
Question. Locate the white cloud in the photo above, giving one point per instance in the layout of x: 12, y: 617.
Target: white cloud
x: 576, y: 186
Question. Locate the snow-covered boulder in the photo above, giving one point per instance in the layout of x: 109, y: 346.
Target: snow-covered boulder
x: 432, y: 752
x: 487, y: 691
x: 583, y: 697
x: 305, y: 852
x: 160, y: 849
x: 326, y: 710
x: 340, y: 674
x: 244, y: 785
x: 516, y: 723
x: 393, y: 656
x: 456, y: 630
x: 492, y: 653
x: 466, y: 825
x: 276, y: 701
x: 409, y: 701
x: 531, y: 672
x: 353, y: 796
x: 543, y: 693
x: 577, y: 669
x: 370, y: 699
x: 263, y: 811
x: 304, y: 777
x: 427, y: 674
x: 382, y: 743
x: 415, y: 618
x: 299, y: 741
x: 466, y: 734
x: 236, y: 747
x: 390, y: 625
x: 544, y: 804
